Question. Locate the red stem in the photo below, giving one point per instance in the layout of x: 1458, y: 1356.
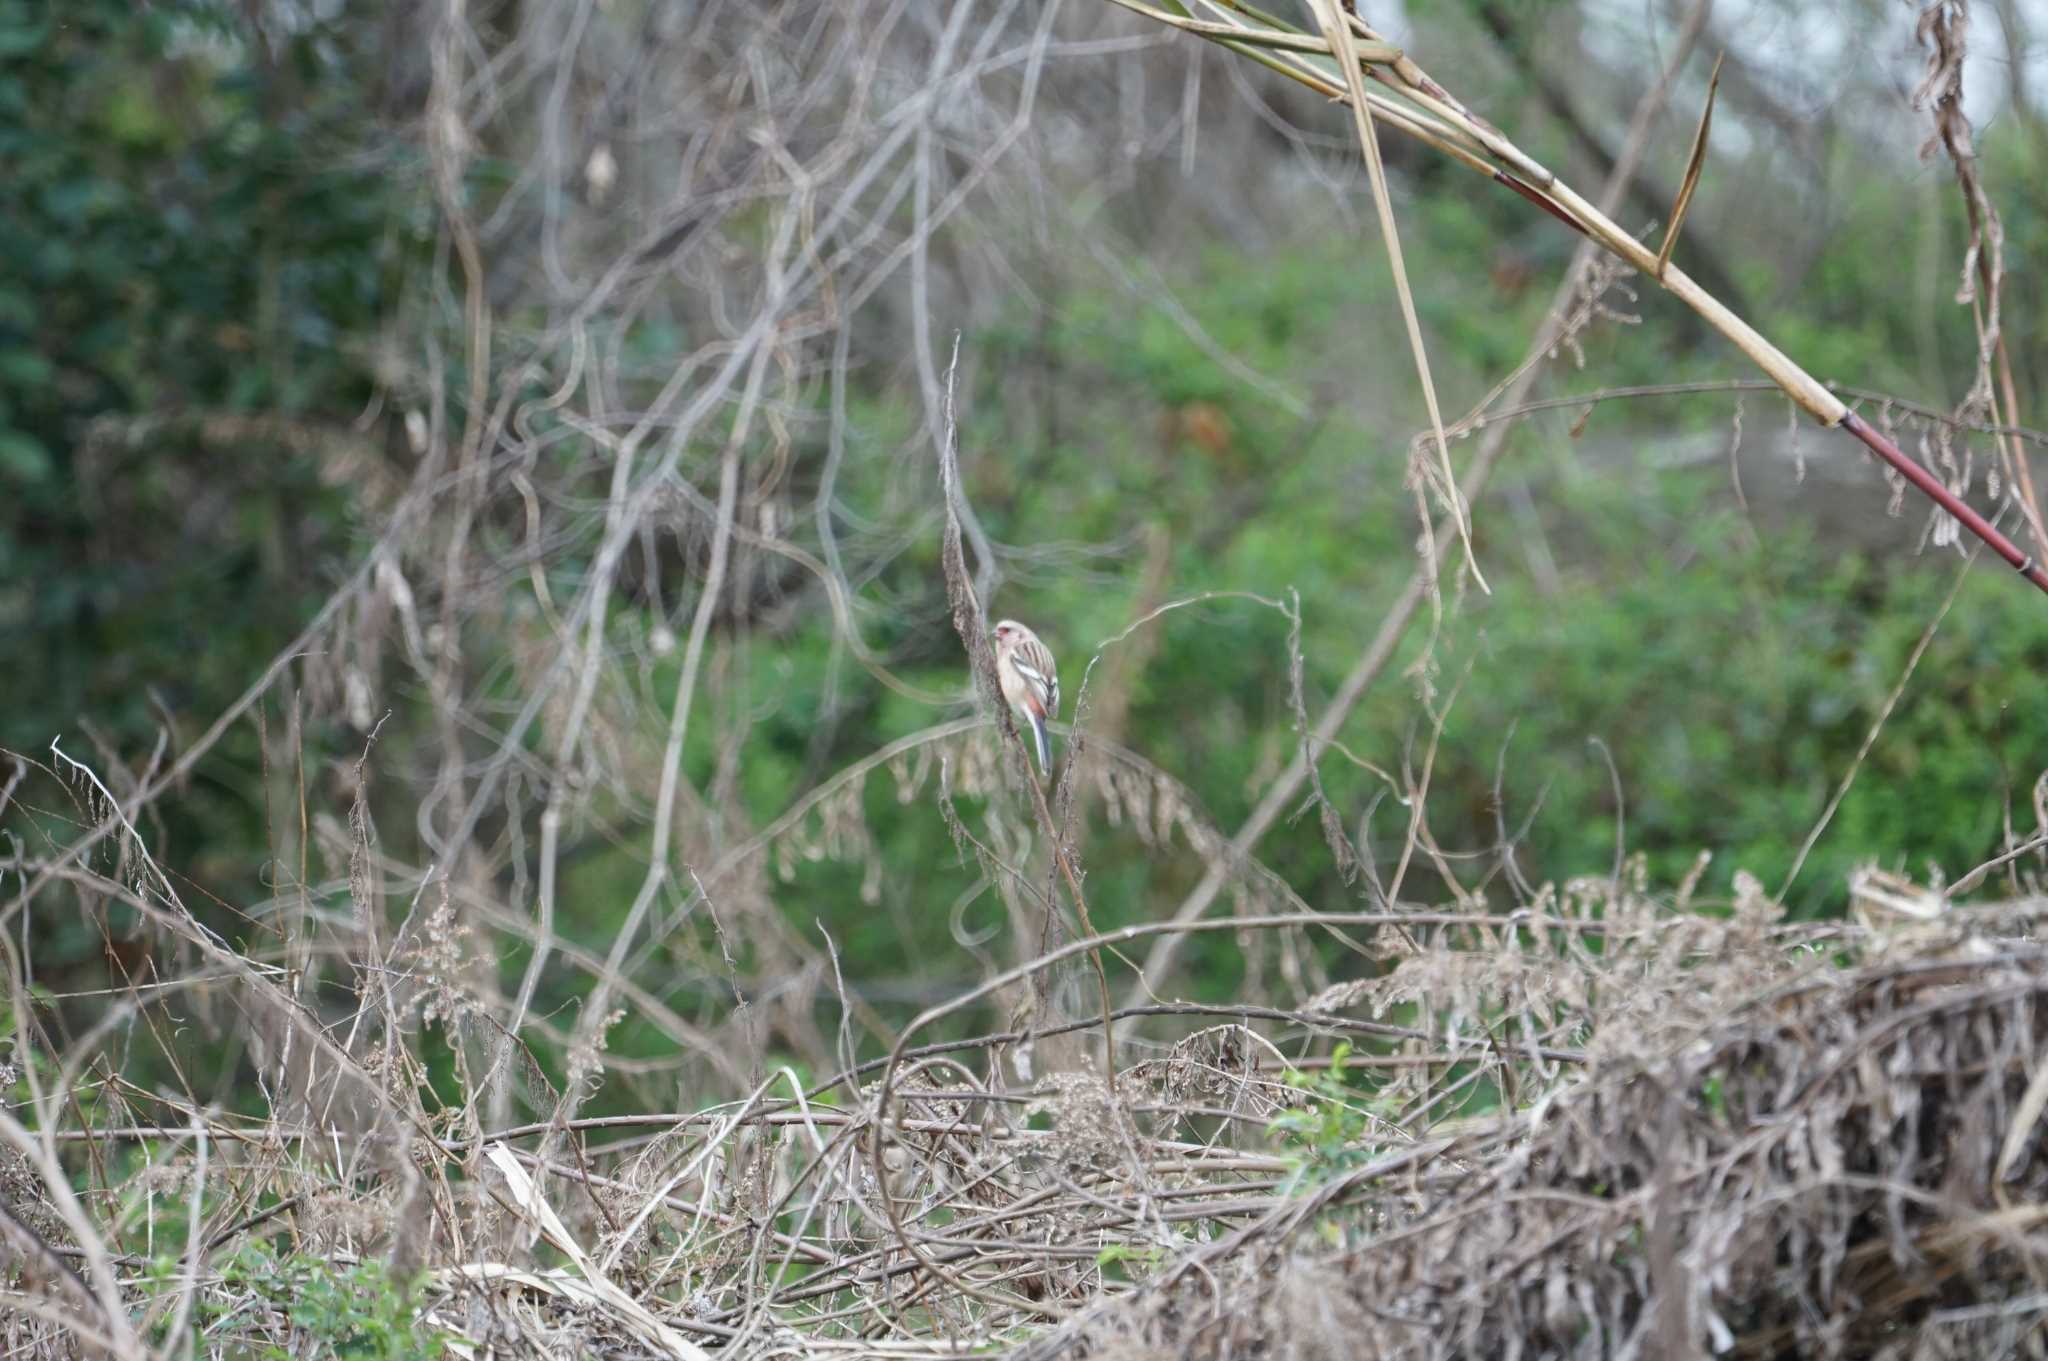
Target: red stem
x: 2020, y: 562
x: 1541, y: 200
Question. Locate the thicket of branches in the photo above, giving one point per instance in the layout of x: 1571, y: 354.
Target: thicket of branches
x: 679, y: 371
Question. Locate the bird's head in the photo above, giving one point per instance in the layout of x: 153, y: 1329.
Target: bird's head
x: 1008, y: 629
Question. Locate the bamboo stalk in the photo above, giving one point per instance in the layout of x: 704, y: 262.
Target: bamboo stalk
x: 1516, y: 170
x: 1911, y: 470
x: 1247, y: 42
x: 1367, y: 49
x: 1331, y: 14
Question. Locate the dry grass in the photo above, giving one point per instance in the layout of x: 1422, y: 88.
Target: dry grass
x: 1719, y: 1131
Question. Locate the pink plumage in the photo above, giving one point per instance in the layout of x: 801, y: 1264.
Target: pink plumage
x: 1030, y: 680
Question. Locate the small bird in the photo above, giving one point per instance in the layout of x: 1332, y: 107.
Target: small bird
x: 1031, y: 681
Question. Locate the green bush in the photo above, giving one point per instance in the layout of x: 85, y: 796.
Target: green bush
x: 356, y: 1310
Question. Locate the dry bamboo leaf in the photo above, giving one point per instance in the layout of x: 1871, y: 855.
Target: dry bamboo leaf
x: 638, y: 1317
x: 1257, y: 37
x: 1693, y: 165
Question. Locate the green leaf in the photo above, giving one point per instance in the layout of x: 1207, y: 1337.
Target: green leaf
x: 18, y: 39
x: 23, y: 368
x: 22, y: 457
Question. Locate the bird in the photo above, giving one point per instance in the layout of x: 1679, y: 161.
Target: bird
x: 1030, y: 680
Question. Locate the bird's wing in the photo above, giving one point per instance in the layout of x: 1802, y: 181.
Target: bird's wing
x: 1035, y: 665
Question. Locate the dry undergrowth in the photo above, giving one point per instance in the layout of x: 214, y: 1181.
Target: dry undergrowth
x: 1722, y: 1133
x: 1770, y: 1156
x: 1726, y: 1134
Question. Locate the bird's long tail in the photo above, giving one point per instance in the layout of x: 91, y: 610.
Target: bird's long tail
x: 1044, y: 741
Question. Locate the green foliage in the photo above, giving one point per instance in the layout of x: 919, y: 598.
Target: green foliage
x: 1130, y: 1262
x: 189, y: 242
x: 1732, y: 687
x: 1730, y: 676
x: 1331, y: 1131
x: 353, y: 1311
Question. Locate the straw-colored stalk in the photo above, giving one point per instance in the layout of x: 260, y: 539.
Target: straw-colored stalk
x: 1426, y: 110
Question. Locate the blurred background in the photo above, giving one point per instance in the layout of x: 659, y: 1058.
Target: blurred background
x: 382, y: 386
